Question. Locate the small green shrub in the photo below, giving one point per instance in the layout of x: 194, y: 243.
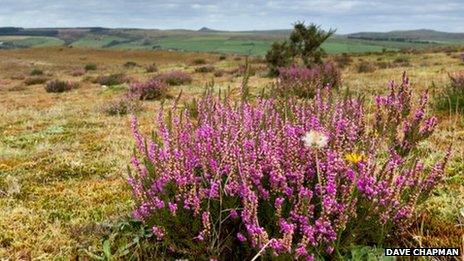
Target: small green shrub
x: 60, y: 86
x: 199, y: 61
x: 90, y: 67
x: 277, y: 57
x: 36, y: 72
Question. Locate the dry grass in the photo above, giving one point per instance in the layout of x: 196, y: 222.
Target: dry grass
x: 69, y: 158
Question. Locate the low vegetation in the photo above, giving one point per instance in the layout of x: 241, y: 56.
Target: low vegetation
x: 304, y: 82
x: 452, y: 97
x: 35, y: 80
x: 90, y: 67
x: 36, y: 72
x: 112, y: 79
x: 126, y: 104
x: 204, y: 69
x: 60, y: 86
x: 174, y: 78
x: 149, y: 90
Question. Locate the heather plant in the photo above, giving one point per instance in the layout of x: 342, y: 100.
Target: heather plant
x: 304, y: 82
x: 128, y: 103
x: 35, y: 80
x: 149, y: 90
x: 78, y: 72
x: 175, y: 78
x: 301, y: 178
x: 452, y: 97
x: 112, y: 79
x: 60, y: 86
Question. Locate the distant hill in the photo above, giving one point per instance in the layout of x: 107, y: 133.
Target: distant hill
x: 422, y: 35
x: 254, y: 42
x: 206, y: 29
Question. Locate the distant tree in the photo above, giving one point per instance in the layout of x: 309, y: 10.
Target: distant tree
x: 304, y: 43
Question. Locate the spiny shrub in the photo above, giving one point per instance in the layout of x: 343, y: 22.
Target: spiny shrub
x: 297, y: 178
x: 175, y: 78
x: 222, y: 57
x: 204, y: 69
x: 36, y: 80
x: 36, y: 72
x: 124, y: 105
x: 304, y: 82
x: 365, y: 67
x: 149, y: 90
x: 60, y: 86
x: 90, y: 67
x: 452, y: 98
x: 112, y: 79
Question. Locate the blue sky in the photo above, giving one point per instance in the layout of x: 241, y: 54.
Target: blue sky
x: 346, y: 16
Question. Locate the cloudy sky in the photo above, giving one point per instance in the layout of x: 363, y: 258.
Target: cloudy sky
x: 346, y: 16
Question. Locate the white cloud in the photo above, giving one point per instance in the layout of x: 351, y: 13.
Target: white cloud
x: 345, y: 15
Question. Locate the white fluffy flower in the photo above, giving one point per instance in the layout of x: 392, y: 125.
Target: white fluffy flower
x: 315, y: 139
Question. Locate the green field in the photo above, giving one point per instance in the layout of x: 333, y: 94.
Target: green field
x: 246, y: 43
x: 30, y: 41
x: 217, y: 44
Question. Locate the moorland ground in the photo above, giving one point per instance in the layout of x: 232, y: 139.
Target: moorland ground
x: 68, y: 158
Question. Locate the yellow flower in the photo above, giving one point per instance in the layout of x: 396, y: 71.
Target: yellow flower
x: 354, y: 157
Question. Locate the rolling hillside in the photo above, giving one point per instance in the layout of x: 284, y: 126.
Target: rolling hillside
x: 209, y: 40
